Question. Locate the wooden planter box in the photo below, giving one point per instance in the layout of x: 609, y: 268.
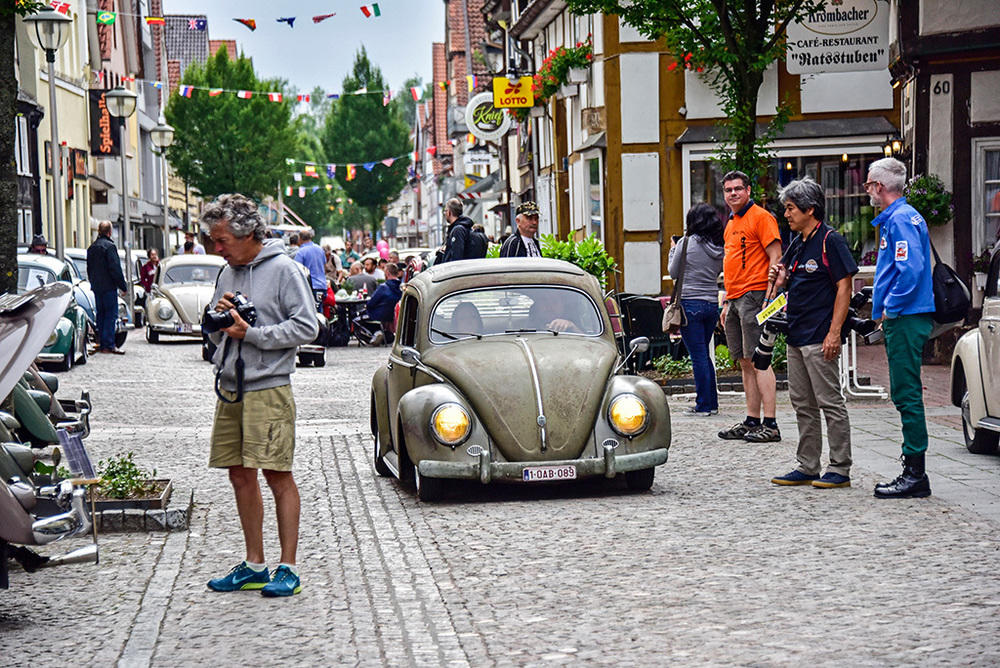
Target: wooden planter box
x: 156, y: 502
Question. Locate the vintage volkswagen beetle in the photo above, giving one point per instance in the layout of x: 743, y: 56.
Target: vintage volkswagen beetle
x: 507, y: 370
x: 67, y: 344
x: 184, y: 285
x: 975, y: 370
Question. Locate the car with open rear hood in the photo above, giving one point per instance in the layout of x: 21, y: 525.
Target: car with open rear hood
x: 184, y: 286
x: 508, y: 370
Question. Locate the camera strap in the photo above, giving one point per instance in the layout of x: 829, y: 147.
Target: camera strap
x: 239, y: 372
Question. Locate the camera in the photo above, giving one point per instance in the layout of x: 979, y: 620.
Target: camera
x: 867, y: 328
x: 216, y: 320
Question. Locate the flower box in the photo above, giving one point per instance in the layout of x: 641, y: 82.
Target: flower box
x: 156, y: 500
x: 568, y: 90
x: 537, y: 111
x: 577, y: 75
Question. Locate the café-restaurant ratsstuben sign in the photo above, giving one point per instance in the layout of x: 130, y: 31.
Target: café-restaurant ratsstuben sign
x: 513, y: 94
x: 485, y: 120
x: 842, y: 36
x: 103, y: 127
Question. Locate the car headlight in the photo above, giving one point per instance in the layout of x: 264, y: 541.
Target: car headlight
x: 627, y: 415
x: 450, y: 424
x: 165, y: 312
x: 122, y: 311
x: 53, y: 337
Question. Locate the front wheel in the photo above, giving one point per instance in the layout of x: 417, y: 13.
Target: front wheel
x: 67, y: 362
x: 428, y: 489
x: 977, y: 441
x: 151, y: 336
x: 380, y: 466
x: 641, y: 480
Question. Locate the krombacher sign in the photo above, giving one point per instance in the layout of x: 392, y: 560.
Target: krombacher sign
x: 485, y: 121
x: 843, y: 36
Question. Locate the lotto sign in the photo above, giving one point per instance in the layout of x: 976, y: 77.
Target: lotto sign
x: 508, y: 95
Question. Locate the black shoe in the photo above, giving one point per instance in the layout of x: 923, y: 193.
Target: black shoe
x: 736, y: 432
x: 911, y: 484
x: 763, y: 434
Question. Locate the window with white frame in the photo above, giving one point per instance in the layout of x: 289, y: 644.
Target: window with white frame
x: 986, y: 193
x: 21, y: 154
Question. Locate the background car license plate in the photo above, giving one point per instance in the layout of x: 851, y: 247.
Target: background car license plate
x: 548, y: 473
x: 184, y: 328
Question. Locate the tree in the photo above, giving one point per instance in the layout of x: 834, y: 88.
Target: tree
x: 225, y: 144
x: 8, y: 112
x: 361, y: 130
x: 732, y: 42
x: 406, y: 101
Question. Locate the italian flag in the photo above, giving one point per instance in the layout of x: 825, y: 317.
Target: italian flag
x: 273, y: 97
x: 214, y: 92
x: 244, y: 94
x: 371, y: 10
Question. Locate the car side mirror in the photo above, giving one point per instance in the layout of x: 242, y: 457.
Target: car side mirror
x: 410, y: 355
x: 639, y: 344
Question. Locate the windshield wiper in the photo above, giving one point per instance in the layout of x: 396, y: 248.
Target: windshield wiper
x: 438, y: 331
x: 454, y: 335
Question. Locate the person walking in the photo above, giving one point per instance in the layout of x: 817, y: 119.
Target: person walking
x: 903, y: 299
x: 313, y: 258
x: 525, y: 242
x: 147, y: 275
x: 703, y: 246
x: 753, y: 245
x: 254, y: 426
x: 104, y: 271
x: 460, y: 244
x: 817, y: 269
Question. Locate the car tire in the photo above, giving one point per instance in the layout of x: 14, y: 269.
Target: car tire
x: 977, y: 441
x: 151, y: 336
x: 67, y: 363
x: 641, y: 480
x: 83, y: 349
x: 380, y: 466
x: 428, y: 489
x: 137, y: 317
x: 319, y: 359
x: 120, y: 338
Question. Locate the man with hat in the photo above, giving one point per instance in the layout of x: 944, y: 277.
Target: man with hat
x: 524, y: 243
x: 39, y: 245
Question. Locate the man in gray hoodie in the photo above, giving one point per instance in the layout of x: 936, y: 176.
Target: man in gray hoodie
x: 255, y: 413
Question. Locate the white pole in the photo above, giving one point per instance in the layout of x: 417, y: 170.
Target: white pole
x: 56, y: 158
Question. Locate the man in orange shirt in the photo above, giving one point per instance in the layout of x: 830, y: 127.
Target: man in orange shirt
x: 753, y: 245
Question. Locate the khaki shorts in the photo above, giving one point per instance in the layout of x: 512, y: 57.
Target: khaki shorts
x: 742, y: 330
x: 258, y: 433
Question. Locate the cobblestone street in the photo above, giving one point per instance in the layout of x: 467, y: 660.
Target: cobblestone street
x: 714, y: 566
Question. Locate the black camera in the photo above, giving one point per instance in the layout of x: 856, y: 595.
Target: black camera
x: 867, y: 328
x: 216, y: 320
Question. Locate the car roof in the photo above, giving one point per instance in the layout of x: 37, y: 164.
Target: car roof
x: 207, y: 260
x: 50, y: 262
x: 466, y: 268
x: 443, y: 279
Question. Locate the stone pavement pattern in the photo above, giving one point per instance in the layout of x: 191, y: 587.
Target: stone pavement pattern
x: 713, y: 566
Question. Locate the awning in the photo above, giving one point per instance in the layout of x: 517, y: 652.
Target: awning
x: 492, y: 183
x: 157, y: 221
x: 832, y: 127
x: 97, y: 183
x: 598, y: 140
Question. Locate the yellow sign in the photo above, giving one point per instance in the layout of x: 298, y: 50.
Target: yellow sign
x: 772, y: 308
x: 512, y: 95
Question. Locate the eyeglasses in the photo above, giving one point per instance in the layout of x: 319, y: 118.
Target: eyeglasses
x: 871, y: 183
x: 734, y: 189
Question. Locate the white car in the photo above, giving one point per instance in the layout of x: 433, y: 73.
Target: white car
x: 975, y: 370
x: 184, y: 285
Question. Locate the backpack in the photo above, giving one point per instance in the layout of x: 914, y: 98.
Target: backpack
x: 476, y: 245
x: 951, y: 295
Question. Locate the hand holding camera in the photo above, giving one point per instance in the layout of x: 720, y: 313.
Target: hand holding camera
x: 233, y: 315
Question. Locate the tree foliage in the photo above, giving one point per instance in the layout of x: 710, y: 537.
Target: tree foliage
x: 226, y: 144
x: 732, y: 42
x: 361, y: 129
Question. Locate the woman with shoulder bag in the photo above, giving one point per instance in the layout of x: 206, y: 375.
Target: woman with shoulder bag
x: 695, y: 264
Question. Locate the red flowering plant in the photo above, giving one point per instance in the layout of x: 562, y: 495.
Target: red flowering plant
x: 555, y: 68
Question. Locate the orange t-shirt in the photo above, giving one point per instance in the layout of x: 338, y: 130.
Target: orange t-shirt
x: 746, y: 264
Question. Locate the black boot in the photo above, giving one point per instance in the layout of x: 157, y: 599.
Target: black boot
x: 912, y: 484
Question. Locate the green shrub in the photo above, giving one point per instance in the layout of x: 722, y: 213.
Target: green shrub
x: 672, y: 368
x: 589, y: 254
x: 122, y: 478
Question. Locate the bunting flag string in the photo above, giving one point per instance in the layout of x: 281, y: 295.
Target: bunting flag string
x: 304, y: 97
x: 61, y: 7
x: 323, y: 17
x: 249, y: 23
x: 290, y: 20
x: 310, y: 168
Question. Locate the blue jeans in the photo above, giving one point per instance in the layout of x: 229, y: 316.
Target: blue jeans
x: 107, y: 316
x: 697, y: 336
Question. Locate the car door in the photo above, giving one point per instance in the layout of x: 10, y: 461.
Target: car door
x: 400, y: 374
x: 989, y: 330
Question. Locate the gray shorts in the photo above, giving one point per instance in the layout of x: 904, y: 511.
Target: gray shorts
x: 742, y: 330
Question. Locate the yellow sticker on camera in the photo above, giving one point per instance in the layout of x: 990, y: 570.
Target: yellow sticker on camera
x: 772, y: 308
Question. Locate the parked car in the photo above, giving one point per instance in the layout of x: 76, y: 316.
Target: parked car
x: 975, y: 370
x: 184, y: 285
x: 508, y: 370
x: 68, y: 342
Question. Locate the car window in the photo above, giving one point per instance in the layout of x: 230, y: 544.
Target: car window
x: 408, y: 321
x: 29, y: 278
x: 190, y: 273
x: 526, y: 309
x: 65, y: 275
x: 81, y: 266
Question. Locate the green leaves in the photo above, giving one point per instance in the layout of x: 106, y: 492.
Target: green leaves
x: 589, y: 254
x: 122, y: 478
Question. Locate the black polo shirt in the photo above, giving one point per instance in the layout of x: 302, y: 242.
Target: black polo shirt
x: 812, y: 283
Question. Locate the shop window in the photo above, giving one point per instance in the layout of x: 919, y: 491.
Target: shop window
x: 986, y: 194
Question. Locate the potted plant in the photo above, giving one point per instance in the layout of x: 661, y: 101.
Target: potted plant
x: 555, y: 69
x: 927, y: 194
x: 126, y: 485
x: 980, y: 267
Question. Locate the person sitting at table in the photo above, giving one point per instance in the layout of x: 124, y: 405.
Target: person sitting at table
x: 382, y: 305
x: 360, y: 279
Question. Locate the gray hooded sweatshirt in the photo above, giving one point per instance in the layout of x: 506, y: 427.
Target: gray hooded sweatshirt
x: 286, y: 319
x: 701, y: 271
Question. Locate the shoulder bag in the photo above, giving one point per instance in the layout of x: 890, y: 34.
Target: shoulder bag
x: 673, y: 315
x: 952, y: 298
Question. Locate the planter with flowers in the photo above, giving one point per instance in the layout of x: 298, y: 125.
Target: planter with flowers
x: 928, y: 195
x: 980, y: 267
x: 556, y: 68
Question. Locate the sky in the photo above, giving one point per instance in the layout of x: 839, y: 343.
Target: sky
x: 310, y: 55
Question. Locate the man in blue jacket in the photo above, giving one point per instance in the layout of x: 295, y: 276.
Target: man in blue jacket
x: 104, y: 271
x: 903, y: 298
x: 382, y: 305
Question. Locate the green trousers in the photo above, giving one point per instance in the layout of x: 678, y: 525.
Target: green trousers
x: 905, y: 337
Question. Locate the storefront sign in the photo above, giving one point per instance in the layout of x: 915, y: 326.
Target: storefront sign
x: 843, y: 36
x: 103, y: 127
x: 484, y: 119
x: 477, y: 158
x: 513, y: 95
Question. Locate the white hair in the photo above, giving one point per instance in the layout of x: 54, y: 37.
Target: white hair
x: 891, y: 173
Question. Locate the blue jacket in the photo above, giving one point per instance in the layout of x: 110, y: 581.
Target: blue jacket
x: 314, y: 259
x: 903, y: 271
x: 104, y: 268
x: 383, y: 302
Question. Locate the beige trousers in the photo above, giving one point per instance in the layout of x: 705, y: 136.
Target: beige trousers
x: 814, y: 385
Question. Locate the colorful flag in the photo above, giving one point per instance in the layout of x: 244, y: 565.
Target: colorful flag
x: 106, y: 18
x: 370, y: 11
x: 323, y: 17
x: 388, y: 162
x: 155, y: 21
x: 432, y: 150
x: 290, y: 20
x: 297, y: 176
x: 471, y: 80
x: 331, y: 171
x: 185, y: 91
x: 200, y: 25
x: 244, y: 94
x: 302, y: 191
x: 314, y: 189
x: 311, y: 171
x: 351, y: 172
x: 369, y: 166
x: 61, y: 7
x: 158, y: 85
x: 303, y: 98
x: 288, y: 191
x: 333, y: 96
x: 273, y: 97
x: 386, y: 99
x: 289, y: 161
x: 249, y: 23
x: 214, y: 92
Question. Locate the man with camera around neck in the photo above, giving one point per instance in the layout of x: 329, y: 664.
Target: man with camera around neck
x: 255, y: 413
x: 817, y: 269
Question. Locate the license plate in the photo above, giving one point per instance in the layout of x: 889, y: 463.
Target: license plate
x: 184, y: 329
x: 549, y: 473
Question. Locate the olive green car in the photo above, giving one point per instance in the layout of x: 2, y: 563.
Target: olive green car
x: 508, y: 370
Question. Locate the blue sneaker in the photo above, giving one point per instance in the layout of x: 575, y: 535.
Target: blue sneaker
x: 796, y: 477
x: 241, y: 577
x: 831, y: 479
x: 285, y: 583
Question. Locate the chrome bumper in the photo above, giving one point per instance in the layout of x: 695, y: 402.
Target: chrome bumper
x: 486, y: 470
x: 172, y: 329
x: 73, y: 522
x: 46, y: 358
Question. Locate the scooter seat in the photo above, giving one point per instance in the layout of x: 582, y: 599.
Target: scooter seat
x: 16, y: 460
x: 9, y: 422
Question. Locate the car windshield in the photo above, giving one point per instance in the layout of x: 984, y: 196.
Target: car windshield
x: 478, y: 313
x: 29, y: 278
x: 81, y: 266
x: 190, y: 273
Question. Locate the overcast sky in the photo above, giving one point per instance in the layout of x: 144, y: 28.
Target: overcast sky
x: 311, y: 54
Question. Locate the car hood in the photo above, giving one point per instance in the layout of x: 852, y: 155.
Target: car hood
x: 494, y: 374
x: 23, y: 333
x: 189, y: 300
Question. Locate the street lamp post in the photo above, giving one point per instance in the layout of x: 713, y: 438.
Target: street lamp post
x: 121, y: 105
x: 49, y: 30
x: 163, y: 136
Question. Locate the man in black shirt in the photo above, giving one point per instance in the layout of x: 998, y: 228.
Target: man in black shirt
x: 817, y: 268
x: 460, y: 244
x: 104, y: 270
x: 524, y: 242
